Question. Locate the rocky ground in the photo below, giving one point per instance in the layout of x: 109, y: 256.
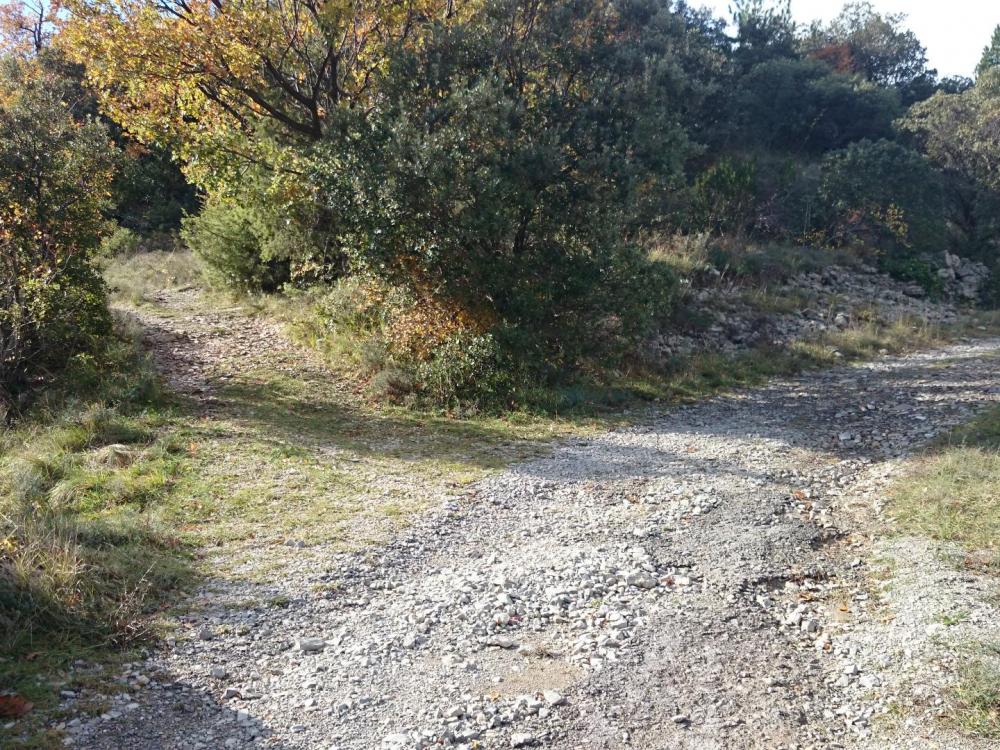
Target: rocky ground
x: 706, y: 580
x: 731, y: 316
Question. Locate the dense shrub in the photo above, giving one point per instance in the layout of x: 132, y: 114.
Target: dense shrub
x: 802, y: 106
x: 121, y: 242
x: 54, y: 179
x: 232, y: 241
x: 882, y: 195
x: 526, y: 230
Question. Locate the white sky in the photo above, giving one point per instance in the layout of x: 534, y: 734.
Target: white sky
x: 954, y: 31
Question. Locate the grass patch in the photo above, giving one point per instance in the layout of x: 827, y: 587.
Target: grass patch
x: 976, y: 700
x: 783, y: 303
x: 136, y: 278
x: 953, y: 494
x: 85, y: 560
x: 702, y: 256
x: 703, y: 375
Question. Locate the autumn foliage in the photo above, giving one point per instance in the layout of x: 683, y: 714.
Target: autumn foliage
x: 55, y: 174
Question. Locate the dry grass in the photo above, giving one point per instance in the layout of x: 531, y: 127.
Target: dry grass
x: 136, y: 278
x: 954, y: 493
x: 977, y: 700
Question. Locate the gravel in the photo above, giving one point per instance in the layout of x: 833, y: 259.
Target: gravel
x: 698, y: 581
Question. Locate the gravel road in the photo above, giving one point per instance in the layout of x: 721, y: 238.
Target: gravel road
x: 700, y: 581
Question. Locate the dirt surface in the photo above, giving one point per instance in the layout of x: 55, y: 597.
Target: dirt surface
x: 198, y: 348
x: 701, y: 581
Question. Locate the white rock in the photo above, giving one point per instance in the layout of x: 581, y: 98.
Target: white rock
x: 641, y: 580
x: 553, y: 698
x: 310, y: 645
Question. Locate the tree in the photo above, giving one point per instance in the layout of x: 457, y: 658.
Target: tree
x: 991, y: 55
x: 55, y: 173
x: 513, y: 153
x: 861, y: 40
x: 961, y: 134
x: 489, y: 158
x: 988, y: 70
x: 802, y: 106
x: 25, y: 26
x: 764, y: 31
x: 208, y: 77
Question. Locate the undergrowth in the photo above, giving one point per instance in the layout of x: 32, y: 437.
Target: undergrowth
x: 603, y: 392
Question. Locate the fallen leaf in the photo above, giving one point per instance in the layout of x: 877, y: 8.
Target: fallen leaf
x: 14, y: 706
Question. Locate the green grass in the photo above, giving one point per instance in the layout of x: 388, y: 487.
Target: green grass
x: 976, y: 699
x: 86, y: 559
x: 950, y: 619
x: 953, y: 494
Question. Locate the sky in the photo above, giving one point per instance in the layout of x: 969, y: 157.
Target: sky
x: 954, y: 32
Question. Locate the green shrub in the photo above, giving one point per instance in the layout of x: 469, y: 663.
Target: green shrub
x: 528, y: 232
x: 122, y: 242
x: 881, y: 194
x: 917, y: 270
x: 466, y: 369
x: 230, y: 239
x: 54, y: 179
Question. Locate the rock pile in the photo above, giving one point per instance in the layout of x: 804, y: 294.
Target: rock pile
x: 731, y: 318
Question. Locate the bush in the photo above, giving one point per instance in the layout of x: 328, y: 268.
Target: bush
x: 883, y: 195
x: 412, y: 350
x: 802, y: 106
x: 231, y: 240
x: 525, y: 236
x: 54, y: 176
x: 917, y: 270
x: 123, y: 242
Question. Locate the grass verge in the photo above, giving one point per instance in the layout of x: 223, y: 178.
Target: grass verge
x: 606, y: 395
x: 85, y: 560
x: 976, y: 699
x: 953, y: 494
